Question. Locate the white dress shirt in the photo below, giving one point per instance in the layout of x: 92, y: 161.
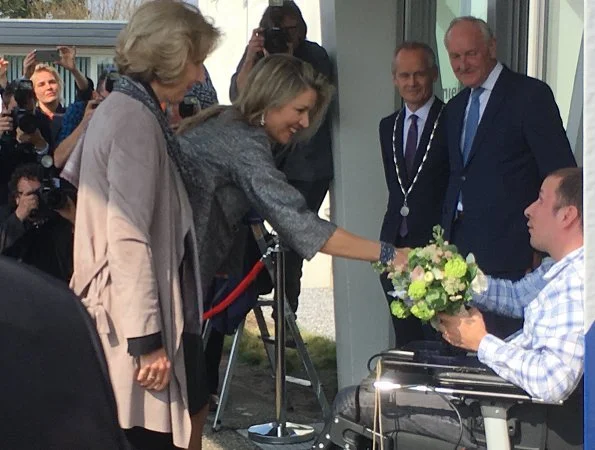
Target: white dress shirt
x: 422, y: 116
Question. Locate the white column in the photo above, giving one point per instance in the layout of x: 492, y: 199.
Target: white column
x: 360, y: 39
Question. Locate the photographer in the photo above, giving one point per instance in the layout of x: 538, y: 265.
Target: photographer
x: 24, y: 132
x: 78, y: 115
x: 307, y: 165
x: 37, y: 226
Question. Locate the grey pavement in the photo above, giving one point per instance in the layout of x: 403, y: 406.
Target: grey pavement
x: 316, y: 312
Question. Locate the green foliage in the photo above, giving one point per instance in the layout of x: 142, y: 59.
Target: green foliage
x: 322, y: 351
x: 14, y: 9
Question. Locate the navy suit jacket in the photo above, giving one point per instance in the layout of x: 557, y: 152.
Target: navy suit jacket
x: 426, y: 198
x: 519, y: 141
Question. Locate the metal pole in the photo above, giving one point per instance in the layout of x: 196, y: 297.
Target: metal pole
x: 280, y: 431
x: 280, y: 372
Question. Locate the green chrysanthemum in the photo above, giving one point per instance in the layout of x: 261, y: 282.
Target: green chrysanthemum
x: 455, y: 268
x: 417, y: 289
x: 398, y: 309
x: 422, y: 311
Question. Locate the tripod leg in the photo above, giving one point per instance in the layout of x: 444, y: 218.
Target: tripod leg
x: 233, y: 356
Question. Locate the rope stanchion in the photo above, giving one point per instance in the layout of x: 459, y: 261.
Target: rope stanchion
x: 239, y: 289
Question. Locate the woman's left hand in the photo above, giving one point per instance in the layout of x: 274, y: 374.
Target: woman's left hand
x: 154, y: 370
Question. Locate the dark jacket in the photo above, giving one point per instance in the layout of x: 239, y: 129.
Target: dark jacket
x: 47, y: 247
x: 519, y: 141
x: 426, y: 198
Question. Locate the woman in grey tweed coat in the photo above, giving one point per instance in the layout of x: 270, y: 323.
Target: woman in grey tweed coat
x: 228, y: 168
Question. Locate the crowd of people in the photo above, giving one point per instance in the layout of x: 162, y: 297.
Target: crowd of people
x: 140, y: 206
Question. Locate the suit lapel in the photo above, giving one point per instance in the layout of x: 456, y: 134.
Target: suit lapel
x: 426, y: 132
x: 494, y: 103
x: 400, y: 146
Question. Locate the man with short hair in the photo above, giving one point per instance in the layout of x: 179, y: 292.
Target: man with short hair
x: 546, y: 359
x: 505, y: 135
x: 31, y: 232
x: 415, y: 160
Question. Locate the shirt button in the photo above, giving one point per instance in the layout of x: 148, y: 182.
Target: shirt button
x: 463, y: 178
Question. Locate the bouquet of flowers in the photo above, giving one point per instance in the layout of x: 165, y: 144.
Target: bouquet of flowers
x: 436, y: 278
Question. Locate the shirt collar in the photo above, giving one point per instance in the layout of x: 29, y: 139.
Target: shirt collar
x: 422, y: 113
x: 490, y: 81
x: 570, y: 259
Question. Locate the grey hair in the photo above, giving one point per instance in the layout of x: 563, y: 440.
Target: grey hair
x: 161, y: 37
x: 485, y: 29
x: 415, y: 45
x: 273, y: 82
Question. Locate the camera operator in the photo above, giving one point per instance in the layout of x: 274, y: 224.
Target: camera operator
x: 37, y: 226
x: 308, y: 165
x: 24, y: 132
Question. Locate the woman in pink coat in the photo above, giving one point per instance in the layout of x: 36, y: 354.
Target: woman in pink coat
x: 134, y: 253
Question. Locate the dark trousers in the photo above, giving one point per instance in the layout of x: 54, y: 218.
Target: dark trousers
x: 314, y: 193
x: 213, y: 354
x: 497, y: 325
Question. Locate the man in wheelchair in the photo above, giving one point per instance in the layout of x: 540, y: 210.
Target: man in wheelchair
x: 538, y: 369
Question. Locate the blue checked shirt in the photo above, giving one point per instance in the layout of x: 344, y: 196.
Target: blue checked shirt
x: 546, y: 357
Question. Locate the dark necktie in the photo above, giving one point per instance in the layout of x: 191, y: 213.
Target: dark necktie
x: 410, y: 148
x: 471, y: 123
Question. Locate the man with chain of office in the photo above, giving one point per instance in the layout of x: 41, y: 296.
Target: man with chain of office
x: 416, y: 167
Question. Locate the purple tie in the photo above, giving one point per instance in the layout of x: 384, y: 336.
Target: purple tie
x: 410, y: 148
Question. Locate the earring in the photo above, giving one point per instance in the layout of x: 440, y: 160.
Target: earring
x: 262, y: 120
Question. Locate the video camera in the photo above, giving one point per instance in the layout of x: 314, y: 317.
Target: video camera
x: 22, y: 115
x: 189, y: 106
x: 276, y: 39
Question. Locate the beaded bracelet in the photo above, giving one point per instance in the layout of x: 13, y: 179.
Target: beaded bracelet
x: 387, y: 252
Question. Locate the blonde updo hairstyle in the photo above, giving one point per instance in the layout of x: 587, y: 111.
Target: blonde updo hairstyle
x: 273, y: 82
x: 160, y: 38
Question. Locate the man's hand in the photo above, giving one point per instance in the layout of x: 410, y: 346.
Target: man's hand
x: 35, y: 138
x: 5, y: 123
x: 90, y: 109
x: 69, y: 210
x: 29, y: 64
x: 463, y: 331
x: 154, y: 370
x: 27, y: 203
x: 67, y: 57
x: 255, y: 45
x: 3, y: 72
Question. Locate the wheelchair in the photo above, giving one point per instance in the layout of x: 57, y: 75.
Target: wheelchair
x: 493, y: 414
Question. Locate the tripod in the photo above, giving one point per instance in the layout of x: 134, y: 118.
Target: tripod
x: 274, y: 347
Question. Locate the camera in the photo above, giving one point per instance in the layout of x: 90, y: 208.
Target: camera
x: 22, y: 115
x: 189, y: 106
x: 276, y: 40
x: 50, y: 194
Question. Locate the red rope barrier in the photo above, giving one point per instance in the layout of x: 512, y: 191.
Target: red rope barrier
x: 240, y: 288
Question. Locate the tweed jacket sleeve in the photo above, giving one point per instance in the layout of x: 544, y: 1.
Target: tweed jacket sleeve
x: 267, y: 189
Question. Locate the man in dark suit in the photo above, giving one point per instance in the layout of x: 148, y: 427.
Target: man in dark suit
x: 415, y: 163
x: 505, y: 135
